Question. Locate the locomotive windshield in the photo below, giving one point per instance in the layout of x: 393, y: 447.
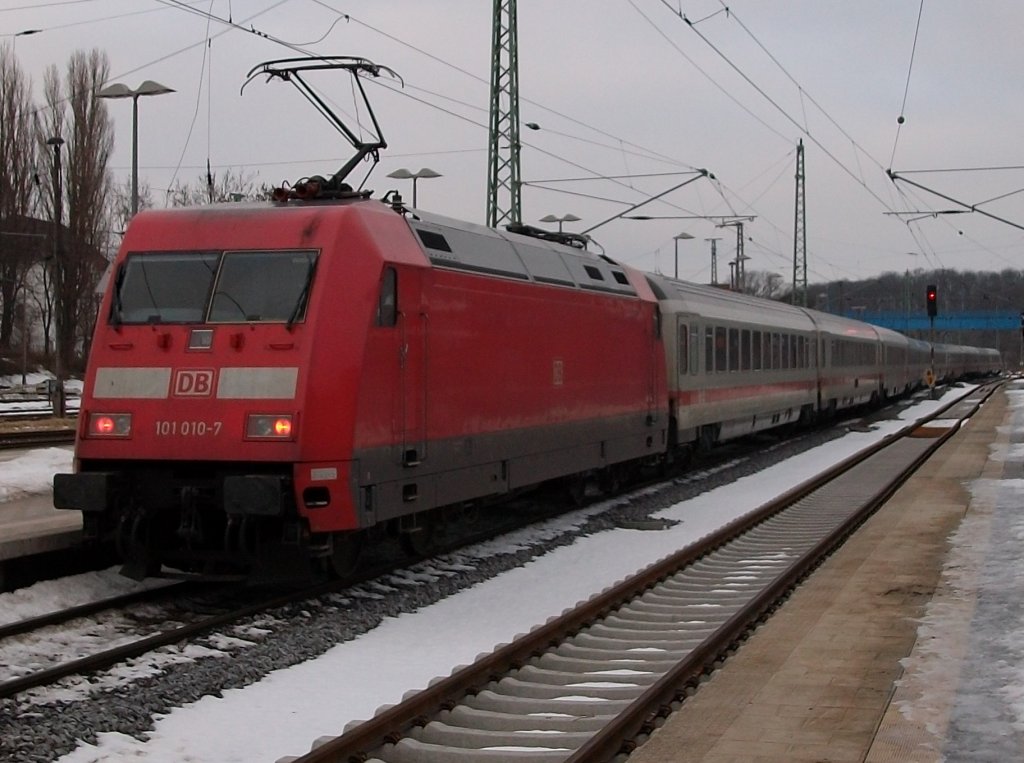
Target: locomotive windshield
x: 213, y: 287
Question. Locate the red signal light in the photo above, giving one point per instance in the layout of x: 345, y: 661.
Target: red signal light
x: 103, y: 425
x: 932, y: 300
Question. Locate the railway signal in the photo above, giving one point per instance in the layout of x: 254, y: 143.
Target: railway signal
x: 932, y: 300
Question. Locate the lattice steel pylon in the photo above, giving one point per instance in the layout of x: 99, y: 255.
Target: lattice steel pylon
x: 504, y: 204
x: 800, y: 233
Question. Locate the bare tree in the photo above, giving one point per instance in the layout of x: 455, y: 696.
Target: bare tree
x: 761, y: 283
x: 120, y: 207
x: 210, y: 189
x: 21, y: 242
x: 88, y: 140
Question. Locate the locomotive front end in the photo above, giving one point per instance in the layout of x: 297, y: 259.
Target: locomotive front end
x: 194, y: 447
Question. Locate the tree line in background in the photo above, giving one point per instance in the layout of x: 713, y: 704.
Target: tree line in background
x: 901, y: 297
x: 61, y: 215
x: 58, y: 153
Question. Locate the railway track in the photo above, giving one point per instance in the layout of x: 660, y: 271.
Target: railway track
x: 590, y: 684
x: 32, y: 438
x: 204, y: 611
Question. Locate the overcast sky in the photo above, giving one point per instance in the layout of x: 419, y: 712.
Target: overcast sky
x: 618, y: 87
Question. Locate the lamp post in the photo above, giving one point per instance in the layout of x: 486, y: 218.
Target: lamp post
x: 569, y: 218
x: 682, y: 236
x: 58, y: 280
x: 404, y: 174
x: 118, y: 90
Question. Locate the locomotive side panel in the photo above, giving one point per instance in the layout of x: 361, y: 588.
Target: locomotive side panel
x: 521, y: 382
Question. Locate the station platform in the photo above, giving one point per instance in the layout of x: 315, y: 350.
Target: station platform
x: 32, y: 526
x: 906, y: 645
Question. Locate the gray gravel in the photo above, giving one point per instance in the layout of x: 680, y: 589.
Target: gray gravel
x: 44, y: 730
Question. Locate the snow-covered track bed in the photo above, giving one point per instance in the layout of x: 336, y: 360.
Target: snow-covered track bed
x: 99, y: 635
x: 589, y: 684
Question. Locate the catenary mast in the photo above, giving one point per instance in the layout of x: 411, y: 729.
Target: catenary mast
x: 800, y: 233
x: 503, y: 173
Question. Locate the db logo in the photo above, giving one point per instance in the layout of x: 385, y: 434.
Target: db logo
x: 193, y: 382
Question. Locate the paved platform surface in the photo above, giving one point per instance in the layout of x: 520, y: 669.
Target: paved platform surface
x: 32, y: 526
x: 880, y: 655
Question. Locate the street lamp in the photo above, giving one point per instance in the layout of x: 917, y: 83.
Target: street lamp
x: 569, y: 218
x: 682, y: 236
x: 404, y: 174
x: 60, y: 302
x: 118, y: 90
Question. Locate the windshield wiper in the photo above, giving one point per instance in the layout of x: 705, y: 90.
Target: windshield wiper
x: 300, y: 304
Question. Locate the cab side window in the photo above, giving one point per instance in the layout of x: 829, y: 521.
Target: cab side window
x: 387, y: 304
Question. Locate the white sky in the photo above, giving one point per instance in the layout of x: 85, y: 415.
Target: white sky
x: 437, y: 638
x: 626, y: 71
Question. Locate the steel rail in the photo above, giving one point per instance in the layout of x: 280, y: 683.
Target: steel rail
x: 22, y: 438
x: 616, y: 737
x: 108, y: 658
x: 394, y: 723
x: 60, y: 616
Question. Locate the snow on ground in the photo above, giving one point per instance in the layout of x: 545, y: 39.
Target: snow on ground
x: 284, y: 712
x: 31, y: 473
x: 972, y: 634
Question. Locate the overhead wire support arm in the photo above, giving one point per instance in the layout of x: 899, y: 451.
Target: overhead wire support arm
x: 291, y: 69
x: 894, y: 176
x: 700, y: 174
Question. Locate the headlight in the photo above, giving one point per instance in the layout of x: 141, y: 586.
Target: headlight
x: 269, y: 427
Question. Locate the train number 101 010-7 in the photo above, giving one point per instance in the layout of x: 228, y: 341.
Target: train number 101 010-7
x: 187, y: 428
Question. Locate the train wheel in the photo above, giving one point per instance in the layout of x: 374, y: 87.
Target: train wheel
x: 574, y: 489
x: 347, y: 548
x: 613, y: 478
x: 420, y: 539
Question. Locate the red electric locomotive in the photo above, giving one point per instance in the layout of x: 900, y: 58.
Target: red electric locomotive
x: 282, y: 376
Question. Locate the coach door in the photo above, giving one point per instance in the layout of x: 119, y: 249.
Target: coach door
x: 413, y: 325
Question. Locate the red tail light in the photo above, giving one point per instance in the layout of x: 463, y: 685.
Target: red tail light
x: 110, y: 425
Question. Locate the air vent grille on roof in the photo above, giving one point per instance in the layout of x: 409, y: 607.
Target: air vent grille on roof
x: 433, y: 240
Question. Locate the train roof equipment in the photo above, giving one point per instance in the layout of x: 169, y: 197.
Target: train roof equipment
x: 293, y: 70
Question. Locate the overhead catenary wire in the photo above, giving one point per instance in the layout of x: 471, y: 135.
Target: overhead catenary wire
x: 775, y: 104
x: 298, y: 48
x: 906, y: 88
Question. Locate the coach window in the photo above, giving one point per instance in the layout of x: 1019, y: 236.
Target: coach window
x: 745, y: 350
x: 734, y: 349
x: 721, y: 349
x: 684, y: 354
x: 709, y: 349
x: 757, y: 350
x: 387, y: 303
x: 694, y: 348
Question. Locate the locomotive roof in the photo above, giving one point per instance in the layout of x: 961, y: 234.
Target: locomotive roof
x: 461, y: 245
